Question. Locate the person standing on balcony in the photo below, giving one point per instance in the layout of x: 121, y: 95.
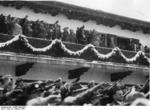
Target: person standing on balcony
x: 29, y: 30
x: 50, y: 32
x: 113, y: 42
x: 95, y: 38
x: 24, y: 23
x: 8, y: 22
x: 80, y: 35
x: 42, y: 30
x: 141, y: 47
x: 16, y: 29
x: 35, y: 28
x: 57, y: 30
x: 65, y: 34
x: 72, y: 36
x: 2, y: 23
x: 146, y: 49
x: 5, y: 24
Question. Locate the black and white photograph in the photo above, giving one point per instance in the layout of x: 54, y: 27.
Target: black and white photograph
x: 74, y: 53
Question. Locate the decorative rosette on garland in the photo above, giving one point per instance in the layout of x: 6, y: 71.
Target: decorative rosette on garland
x: 116, y: 53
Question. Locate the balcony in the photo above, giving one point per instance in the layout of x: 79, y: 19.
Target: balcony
x: 84, y: 52
x: 77, y: 51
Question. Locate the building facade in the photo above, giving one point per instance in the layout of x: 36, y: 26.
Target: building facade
x: 112, y: 36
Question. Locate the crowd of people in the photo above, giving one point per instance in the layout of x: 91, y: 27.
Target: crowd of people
x: 58, y: 92
x: 40, y: 29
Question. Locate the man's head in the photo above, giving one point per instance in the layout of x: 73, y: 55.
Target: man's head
x: 65, y: 29
x: 118, y: 96
x: 19, y: 83
x: 7, y: 82
x: 26, y: 17
x: 58, y: 82
x: 83, y: 27
x: 69, y: 100
x: 71, y: 31
x: 57, y: 22
x: 91, y: 84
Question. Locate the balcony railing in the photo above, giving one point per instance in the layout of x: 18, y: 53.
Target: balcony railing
x: 56, y: 51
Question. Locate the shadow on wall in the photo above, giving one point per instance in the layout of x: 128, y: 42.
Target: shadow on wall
x: 52, y: 72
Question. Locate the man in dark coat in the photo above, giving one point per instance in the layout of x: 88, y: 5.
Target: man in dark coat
x: 81, y: 39
x: 57, y: 30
